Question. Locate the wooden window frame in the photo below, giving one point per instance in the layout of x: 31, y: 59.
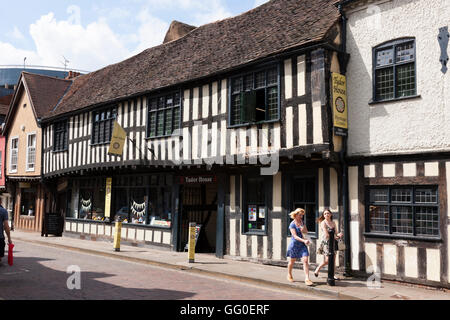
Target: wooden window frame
x: 164, y: 109
x: 390, y: 234
x: 253, y: 73
x: 107, y: 121
x: 64, y: 131
x: 11, y: 155
x: 27, y: 162
x: 392, y: 44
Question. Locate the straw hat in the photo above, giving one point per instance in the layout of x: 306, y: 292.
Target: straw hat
x: 296, y: 212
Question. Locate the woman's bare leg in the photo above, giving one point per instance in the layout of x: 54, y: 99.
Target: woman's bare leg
x: 306, y: 267
x: 290, y: 267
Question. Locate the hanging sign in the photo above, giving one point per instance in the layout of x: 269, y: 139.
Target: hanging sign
x: 117, y: 140
x: 340, y: 107
x: 108, y: 198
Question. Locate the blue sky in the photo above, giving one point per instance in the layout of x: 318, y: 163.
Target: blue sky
x: 93, y: 34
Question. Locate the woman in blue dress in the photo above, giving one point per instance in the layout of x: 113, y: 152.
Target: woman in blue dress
x: 298, y: 246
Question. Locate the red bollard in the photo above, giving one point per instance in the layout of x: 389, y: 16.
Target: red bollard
x: 10, y: 254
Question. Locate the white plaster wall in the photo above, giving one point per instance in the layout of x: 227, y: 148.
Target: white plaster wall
x: 406, y: 126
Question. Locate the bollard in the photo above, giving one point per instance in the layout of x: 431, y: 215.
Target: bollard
x: 330, y: 280
x: 191, y: 243
x: 117, y: 236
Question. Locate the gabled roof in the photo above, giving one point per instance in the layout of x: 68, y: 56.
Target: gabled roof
x: 211, y: 49
x: 44, y: 93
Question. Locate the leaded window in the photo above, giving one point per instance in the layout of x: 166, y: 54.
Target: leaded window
x: 255, y: 97
x: 103, y: 125
x: 164, y: 115
x: 411, y: 211
x: 395, y: 70
x: 60, y: 136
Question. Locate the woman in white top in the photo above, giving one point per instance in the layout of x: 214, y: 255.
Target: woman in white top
x: 326, y: 225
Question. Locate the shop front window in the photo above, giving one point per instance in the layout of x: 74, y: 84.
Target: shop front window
x: 138, y: 208
x: 255, y: 208
x: 85, y: 205
x: 91, y: 199
x: 28, y: 202
x: 160, y: 206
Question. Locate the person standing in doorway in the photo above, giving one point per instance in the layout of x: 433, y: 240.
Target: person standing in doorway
x: 4, y: 228
x: 326, y: 225
x: 298, y: 246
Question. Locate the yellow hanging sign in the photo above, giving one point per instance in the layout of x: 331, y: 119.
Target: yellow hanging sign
x: 340, y: 107
x: 117, y: 140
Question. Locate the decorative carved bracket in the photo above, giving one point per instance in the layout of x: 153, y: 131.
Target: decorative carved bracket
x: 443, y: 39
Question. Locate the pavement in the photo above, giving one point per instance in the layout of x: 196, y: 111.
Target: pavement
x: 254, y: 273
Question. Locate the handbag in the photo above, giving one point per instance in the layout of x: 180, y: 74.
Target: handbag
x: 341, y: 245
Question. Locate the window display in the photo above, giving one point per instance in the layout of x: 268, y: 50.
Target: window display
x: 28, y: 202
x: 255, y: 219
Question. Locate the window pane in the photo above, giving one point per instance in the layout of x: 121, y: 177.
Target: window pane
x: 310, y: 217
x: 426, y: 196
x: 272, y: 103
x: 379, y: 219
x: 168, y: 122
x: 427, y: 221
x: 272, y: 76
x: 152, y: 125
x: 402, y: 220
x: 176, y: 118
x: 405, y: 52
x: 248, y: 82
x: 169, y: 101
x: 406, y: 80
x: 161, y: 101
x: 256, y: 193
x: 237, y: 85
x: 85, y: 204
x: 401, y: 195
x: 153, y: 104
x: 384, y: 84
x: 160, y: 127
x: 236, y: 109
x: 379, y: 195
x: 385, y: 57
x: 260, y: 79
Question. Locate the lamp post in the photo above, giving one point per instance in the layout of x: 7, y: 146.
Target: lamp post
x: 330, y: 280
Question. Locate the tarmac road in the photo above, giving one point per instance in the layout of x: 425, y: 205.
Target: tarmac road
x: 41, y: 273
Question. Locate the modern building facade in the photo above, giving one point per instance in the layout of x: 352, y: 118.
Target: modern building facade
x: 399, y: 147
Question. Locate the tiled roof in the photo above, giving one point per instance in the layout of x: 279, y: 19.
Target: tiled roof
x: 45, y: 92
x: 4, y: 104
x: 271, y: 28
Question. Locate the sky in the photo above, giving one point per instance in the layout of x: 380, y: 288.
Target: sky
x: 89, y: 35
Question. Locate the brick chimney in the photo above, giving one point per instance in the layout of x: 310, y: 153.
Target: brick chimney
x: 72, y: 74
x: 177, y: 30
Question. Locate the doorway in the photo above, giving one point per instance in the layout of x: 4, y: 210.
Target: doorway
x: 200, y: 206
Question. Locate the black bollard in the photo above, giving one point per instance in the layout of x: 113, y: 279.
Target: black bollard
x: 330, y: 280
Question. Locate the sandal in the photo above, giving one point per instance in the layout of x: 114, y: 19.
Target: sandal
x: 290, y: 278
x: 309, y: 283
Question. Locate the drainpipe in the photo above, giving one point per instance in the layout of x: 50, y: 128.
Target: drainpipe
x: 343, y: 153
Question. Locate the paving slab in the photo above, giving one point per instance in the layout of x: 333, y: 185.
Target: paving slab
x: 230, y: 267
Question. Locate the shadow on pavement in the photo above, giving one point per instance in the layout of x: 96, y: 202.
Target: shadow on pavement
x: 29, y: 279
